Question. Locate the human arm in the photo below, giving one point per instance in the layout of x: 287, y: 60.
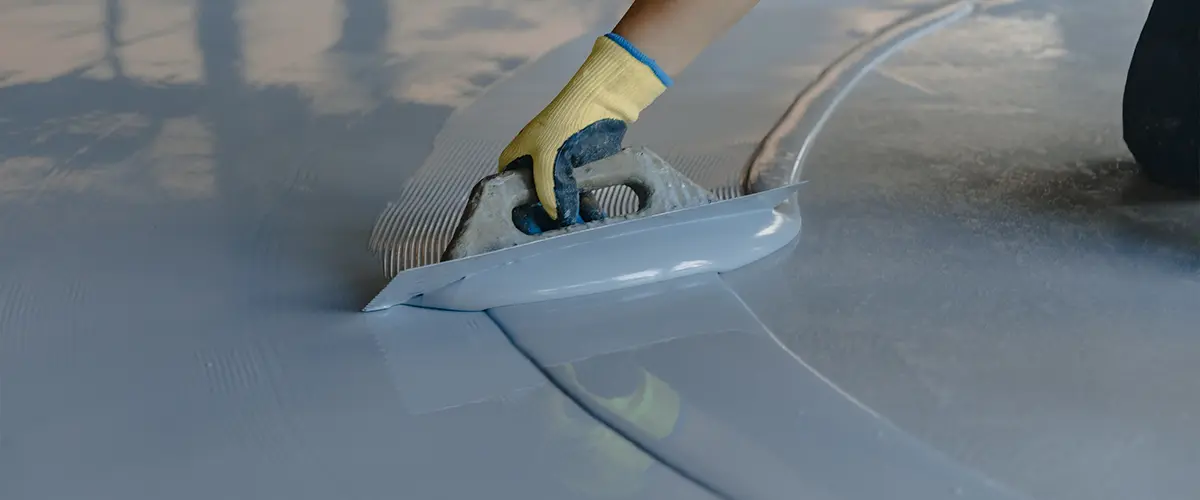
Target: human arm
x: 627, y: 70
x: 674, y: 32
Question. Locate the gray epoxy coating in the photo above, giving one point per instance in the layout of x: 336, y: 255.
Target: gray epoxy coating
x: 188, y: 188
x: 736, y: 434
x: 981, y: 264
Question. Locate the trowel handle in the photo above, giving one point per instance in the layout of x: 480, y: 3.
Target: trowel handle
x: 487, y: 222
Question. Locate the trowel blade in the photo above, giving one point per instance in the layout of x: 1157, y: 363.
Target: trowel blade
x: 752, y: 218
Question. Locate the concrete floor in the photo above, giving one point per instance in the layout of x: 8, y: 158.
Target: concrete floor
x: 189, y: 190
x: 982, y: 264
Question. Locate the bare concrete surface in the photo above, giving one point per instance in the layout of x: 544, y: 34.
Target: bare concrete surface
x: 188, y: 188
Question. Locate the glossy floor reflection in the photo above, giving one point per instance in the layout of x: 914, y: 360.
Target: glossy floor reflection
x: 188, y: 188
x: 982, y: 264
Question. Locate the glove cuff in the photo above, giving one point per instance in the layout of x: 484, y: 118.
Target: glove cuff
x: 643, y: 58
x: 616, y: 77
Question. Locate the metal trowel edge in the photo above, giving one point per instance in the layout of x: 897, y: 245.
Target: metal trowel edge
x: 679, y: 229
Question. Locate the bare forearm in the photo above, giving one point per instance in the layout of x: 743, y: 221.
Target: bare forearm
x: 674, y: 32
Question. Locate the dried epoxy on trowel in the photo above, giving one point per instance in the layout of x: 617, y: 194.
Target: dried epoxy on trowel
x: 494, y: 209
x: 679, y: 229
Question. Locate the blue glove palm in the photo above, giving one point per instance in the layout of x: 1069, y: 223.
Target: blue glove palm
x: 586, y: 122
x: 596, y: 142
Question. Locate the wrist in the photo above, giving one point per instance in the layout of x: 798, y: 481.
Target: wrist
x: 641, y: 57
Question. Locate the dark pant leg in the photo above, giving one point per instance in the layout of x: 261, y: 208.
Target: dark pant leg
x: 1162, y: 95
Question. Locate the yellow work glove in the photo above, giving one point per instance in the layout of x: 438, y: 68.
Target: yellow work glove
x: 586, y: 122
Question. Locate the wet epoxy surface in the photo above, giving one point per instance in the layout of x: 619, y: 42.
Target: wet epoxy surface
x: 982, y: 264
x: 188, y: 189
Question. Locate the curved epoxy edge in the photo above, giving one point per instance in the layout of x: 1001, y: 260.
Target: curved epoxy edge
x: 780, y: 156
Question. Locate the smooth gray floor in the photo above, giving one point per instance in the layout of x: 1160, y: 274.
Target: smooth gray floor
x: 188, y: 188
x: 981, y: 264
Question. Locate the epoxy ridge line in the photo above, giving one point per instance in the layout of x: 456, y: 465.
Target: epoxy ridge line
x: 771, y: 166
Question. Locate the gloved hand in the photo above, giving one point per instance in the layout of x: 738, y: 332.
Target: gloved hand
x: 586, y: 122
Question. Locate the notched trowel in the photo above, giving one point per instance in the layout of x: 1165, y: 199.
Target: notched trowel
x: 679, y: 229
